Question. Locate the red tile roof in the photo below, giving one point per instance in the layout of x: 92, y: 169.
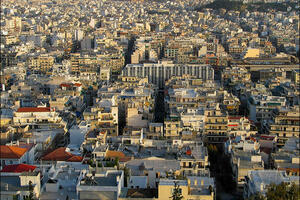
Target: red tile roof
x: 11, y: 152
x: 60, y: 154
x: 267, y: 137
x: 114, y: 154
x: 65, y: 85
x: 77, y: 84
x: 18, y: 168
x: 237, y: 117
x: 75, y: 159
x: 125, y: 159
x: 34, y: 109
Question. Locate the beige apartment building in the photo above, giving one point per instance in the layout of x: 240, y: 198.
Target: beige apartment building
x: 42, y: 64
x: 286, y: 125
x: 33, y: 115
x: 216, y: 125
x: 173, y: 128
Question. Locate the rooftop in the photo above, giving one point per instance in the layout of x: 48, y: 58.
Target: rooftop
x: 172, y: 182
x: 139, y: 193
x: 60, y: 154
x: 34, y: 109
x: 18, y: 168
x: 11, y: 152
x: 108, y: 178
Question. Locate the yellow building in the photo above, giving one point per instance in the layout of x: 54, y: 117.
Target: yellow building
x: 252, y: 53
x: 194, y: 188
x: 191, y: 189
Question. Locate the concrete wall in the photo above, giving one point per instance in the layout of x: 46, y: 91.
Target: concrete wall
x: 105, y: 195
x: 134, y: 119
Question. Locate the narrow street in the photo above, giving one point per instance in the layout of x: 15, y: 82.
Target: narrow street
x: 220, y: 168
x: 159, y: 114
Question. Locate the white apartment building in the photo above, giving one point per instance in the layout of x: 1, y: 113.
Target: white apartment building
x: 158, y: 73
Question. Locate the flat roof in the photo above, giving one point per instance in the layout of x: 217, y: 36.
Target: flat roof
x: 172, y: 182
x: 110, y: 179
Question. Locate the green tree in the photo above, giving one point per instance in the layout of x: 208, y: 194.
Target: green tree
x: 283, y: 191
x: 116, y: 163
x: 257, y: 196
x: 31, y: 195
x: 176, y: 195
x: 126, y: 175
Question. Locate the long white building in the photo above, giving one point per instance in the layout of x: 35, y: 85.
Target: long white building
x: 158, y: 73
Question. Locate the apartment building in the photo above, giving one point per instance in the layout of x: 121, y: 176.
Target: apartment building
x: 173, y: 128
x: 244, y: 161
x: 216, y: 125
x: 258, y: 181
x: 160, y: 72
x: 108, y: 118
x: 35, y: 115
x: 84, y: 66
x: 41, y: 64
x: 105, y: 185
x: 261, y: 107
x: 296, y: 77
x: 194, y: 161
x: 286, y: 124
x: 240, y: 126
x: 192, y: 188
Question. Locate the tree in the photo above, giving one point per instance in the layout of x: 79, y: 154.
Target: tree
x: 30, y: 197
x: 126, y: 176
x: 283, y: 191
x: 257, y: 196
x: 176, y: 195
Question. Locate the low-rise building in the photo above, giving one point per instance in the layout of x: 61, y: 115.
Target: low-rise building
x: 105, y: 185
x: 192, y: 188
x: 35, y: 115
x: 15, y: 185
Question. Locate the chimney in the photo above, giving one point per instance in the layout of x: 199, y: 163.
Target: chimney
x: 27, y: 140
x: 18, y: 143
x: 6, y: 187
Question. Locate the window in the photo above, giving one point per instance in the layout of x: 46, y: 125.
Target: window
x: 157, y: 175
x: 179, y: 190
